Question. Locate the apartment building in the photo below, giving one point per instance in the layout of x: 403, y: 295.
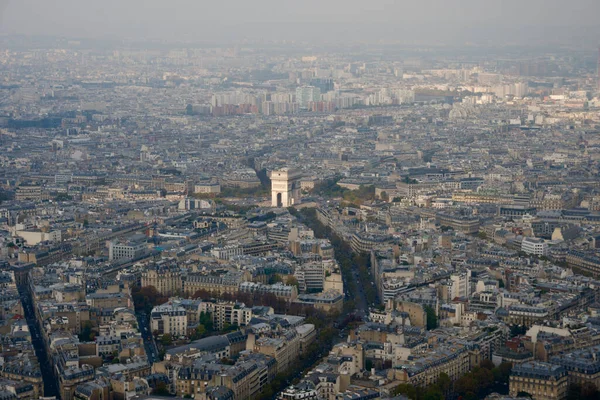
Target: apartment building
x: 165, y: 278
x: 226, y: 283
x: 284, y: 348
x: 280, y: 290
x: 542, y: 381
x: 28, y: 192
x: 248, y: 376
x: 169, y: 318
x: 582, y: 366
x: 230, y: 313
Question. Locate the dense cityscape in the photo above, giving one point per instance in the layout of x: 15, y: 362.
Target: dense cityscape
x: 277, y: 220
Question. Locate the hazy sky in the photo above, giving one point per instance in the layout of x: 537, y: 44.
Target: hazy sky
x: 432, y: 21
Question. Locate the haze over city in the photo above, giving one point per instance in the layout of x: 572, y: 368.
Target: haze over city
x: 433, y: 22
x: 299, y: 200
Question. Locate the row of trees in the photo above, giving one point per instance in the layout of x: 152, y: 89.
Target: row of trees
x: 477, y: 384
x: 439, y: 391
x: 342, y: 252
x: 326, y: 334
x: 146, y: 298
x: 484, y: 380
x: 345, y: 257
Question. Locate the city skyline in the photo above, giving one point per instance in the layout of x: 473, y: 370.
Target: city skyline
x: 263, y: 200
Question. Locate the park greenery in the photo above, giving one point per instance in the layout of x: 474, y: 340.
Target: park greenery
x: 330, y: 188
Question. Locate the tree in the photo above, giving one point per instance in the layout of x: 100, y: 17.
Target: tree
x: 487, y: 364
x: 207, y: 321
x: 145, y: 298
x: 406, y: 389
x: 291, y: 280
x: 585, y: 391
x: 444, y: 382
x: 384, y: 196
x: 275, y: 278
x: 86, y: 334
x: 161, y: 389
x: 502, y: 372
x: 465, y: 385
x: 574, y: 392
x: 484, y: 378
x: 432, y: 321
x: 589, y: 391
x: 433, y: 393
x: 166, y: 339
x: 201, y: 294
x: 267, y: 393
x: 517, y: 330
x: 326, y: 335
x: 349, y: 306
x: 227, y: 327
x: 501, y: 283
x: 198, y: 333
x: 63, y: 197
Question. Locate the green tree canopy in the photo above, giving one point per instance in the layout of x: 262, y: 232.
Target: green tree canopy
x: 166, y: 339
x: 432, y: 321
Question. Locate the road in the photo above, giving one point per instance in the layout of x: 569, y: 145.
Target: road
x: 360, y: 300
x: 149, y: 345
x: 50, y: 382
x: 361, y: 306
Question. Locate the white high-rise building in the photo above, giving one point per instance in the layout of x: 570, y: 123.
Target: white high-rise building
x: 521, y: 89
x: 306, y: 94
x: 534, y: 246
x: 460, y: 284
